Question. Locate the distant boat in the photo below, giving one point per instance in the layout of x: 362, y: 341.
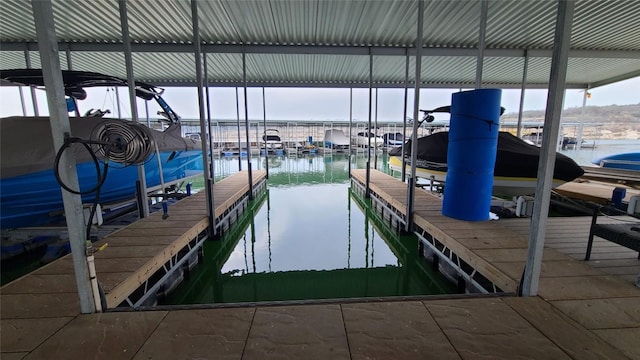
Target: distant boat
x: 272, y: 140
x: 393, y: 139
x: 364, y: 138
x: 565, y: 141
x: 625, y: 161
x: 515, y: 171
x: 336, y: 139
x: 533, y: 138
x: 30, y: 195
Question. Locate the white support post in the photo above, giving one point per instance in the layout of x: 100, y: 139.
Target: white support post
x: 368, y: 169
x: 582, y: 111
x: 246, y: 124
x: 208, y: 127
x: 350, y: 127
x: 416, y: 115
x: 60, y: 127
x: 117, y: 93
x: 70, y: 67
x: 264, y: 133
x: 375, y: 131
x: 404, y: 114
x: 34, y: 99
x: 208, y: 173
x: 522, y: 91
x: 546, y: 164
x: 126, y: 41
x: 238, y: 124
x: 24, y: 107
x: 484, y: 9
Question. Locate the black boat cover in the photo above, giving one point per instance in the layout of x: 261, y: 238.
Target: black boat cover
x: 515, y: 157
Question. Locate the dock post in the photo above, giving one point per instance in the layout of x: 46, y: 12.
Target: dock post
x: 59, y: 121
x: 367, y: 194
x: 559, y: 61
x: 404, y: 115
x: 246, y: 124
x: 208, y: 170
x: 416, y: 113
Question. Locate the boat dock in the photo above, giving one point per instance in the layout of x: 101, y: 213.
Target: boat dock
x: 581, y: 313
x: 492, y: 254
x: 595, y: 191
x: 138, y: 259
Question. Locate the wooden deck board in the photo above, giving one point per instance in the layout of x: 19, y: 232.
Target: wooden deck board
x: 569, y: 236
x: 483, y: 244
x: 593, y: 191
x: 172, y: 233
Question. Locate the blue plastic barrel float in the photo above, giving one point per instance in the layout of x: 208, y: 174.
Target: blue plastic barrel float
x: 471, y: 155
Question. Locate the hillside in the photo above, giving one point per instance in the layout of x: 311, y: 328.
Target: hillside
x: 605, y: 122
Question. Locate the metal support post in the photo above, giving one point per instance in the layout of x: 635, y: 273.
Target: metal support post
x: 555, y: 99
x: 203, y: 130
x: 404, y: 114
x: 375, y: 132
x: 350, y: 126
x: 209, y: 133
x: 484, y: 9
x: 246, y: 123
x: 126, y: 41
x: 416, y: 114
x: 34, y: 99
x: 264, y: 134
x: 59, y: 120
x: 368, y: 171
x: 522, y: 91
x: 238, y: 123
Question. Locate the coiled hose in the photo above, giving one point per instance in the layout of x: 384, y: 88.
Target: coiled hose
x: 129, y: 143
x: 120, y: 141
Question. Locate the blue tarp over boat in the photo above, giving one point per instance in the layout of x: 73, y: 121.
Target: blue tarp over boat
x: 30, y: 195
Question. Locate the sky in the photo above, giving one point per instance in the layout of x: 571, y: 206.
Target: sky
x: 320, y: 104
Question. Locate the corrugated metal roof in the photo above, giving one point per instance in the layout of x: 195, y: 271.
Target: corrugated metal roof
x: 326, y: 42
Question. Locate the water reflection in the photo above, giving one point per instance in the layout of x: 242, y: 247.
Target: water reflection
x: 299, y: 241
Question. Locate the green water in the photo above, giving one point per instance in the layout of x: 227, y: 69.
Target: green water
x: 308, y: 237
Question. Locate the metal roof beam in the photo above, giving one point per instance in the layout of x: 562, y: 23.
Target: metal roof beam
x: 614, y: 79
x: 319, y: 50
x: 337, y: 84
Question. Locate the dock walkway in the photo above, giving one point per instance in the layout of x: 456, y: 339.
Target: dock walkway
x: 133, y: 255
x: 583, y: 290
x: 601, y: 323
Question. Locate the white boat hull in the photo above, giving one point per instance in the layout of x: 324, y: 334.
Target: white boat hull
x: 502, y: 185
x: 336, y: 139
x: 363, y: 141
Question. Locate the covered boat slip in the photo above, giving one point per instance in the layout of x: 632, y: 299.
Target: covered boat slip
x: 497, y: 249
x: 600, y: 320
x: 133, y: 254
x: 184, y: 227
